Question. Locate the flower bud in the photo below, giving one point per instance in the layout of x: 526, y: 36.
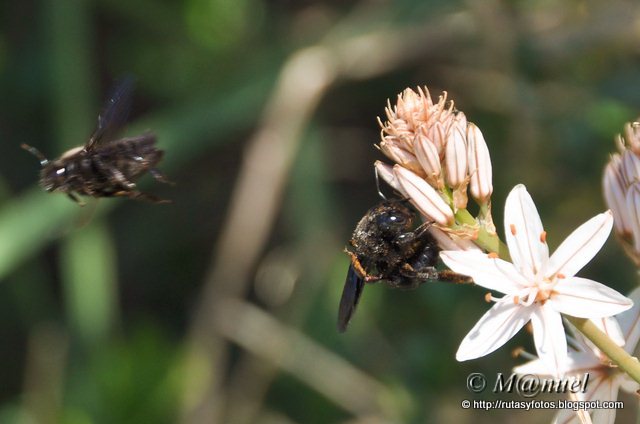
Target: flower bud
x: 385, y: 172
x: 633, y: 206
x: 427, y: 155
x: 456, y: 158
x: 630, y: 169
x: 614, y: 189
x: 480, y: 183
x: 424, y: 197
x: 401, y: 156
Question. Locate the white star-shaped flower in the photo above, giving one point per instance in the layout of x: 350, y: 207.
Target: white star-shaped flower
x: 605, y: 380
x: 537, y: 288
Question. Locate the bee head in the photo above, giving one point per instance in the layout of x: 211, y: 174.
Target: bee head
x: 53, y: 175
x: 393, y: 217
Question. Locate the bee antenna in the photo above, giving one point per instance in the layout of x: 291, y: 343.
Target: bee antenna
x: 380, y: 193
x: 35, y: 152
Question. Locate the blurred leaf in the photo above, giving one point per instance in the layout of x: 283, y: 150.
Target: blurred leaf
x: 88, y: 261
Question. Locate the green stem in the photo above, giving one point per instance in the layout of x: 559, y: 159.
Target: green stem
x: 617, y: 354
x: 489, y: 242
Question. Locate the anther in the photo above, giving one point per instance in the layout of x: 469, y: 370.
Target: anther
x: 512, y: 227
x: 543, y: 237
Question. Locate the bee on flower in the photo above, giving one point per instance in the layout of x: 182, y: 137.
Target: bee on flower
x: 440, y: 160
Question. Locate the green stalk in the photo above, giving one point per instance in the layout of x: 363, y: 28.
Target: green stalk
x: 489, y: 242
x: 618, y: 355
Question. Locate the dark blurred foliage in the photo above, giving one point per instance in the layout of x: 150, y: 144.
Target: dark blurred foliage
x: 221, y: 307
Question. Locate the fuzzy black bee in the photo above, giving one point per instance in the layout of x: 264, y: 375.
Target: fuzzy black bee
x: 386, y: 247
x: 105, y: 166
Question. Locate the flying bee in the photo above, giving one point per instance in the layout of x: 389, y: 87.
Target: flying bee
x: 386, y: 247
x: 105, y: 166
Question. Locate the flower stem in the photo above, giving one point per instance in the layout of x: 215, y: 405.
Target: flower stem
x: 489, y: 242
x: 617, y: 354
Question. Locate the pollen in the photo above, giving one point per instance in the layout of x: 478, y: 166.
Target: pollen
x: 487, y: 297
x: 493, y: 255
x: 543, y: 237
x: 512, y: 227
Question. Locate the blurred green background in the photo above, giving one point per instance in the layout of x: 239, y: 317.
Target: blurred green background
x: 221, y: 307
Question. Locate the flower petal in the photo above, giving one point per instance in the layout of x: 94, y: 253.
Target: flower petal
x: 600, y: 388
x: 577, y: 363
x: 630, y: 322
x: 584, y: 298
x: 490, y: 273
x: 549, y: 338
x: 581, y: 246
x: 524, y: 232
x: 493, y: 330
x: 606, y: 390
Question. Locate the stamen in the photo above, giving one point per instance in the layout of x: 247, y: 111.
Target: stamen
x: 516, y: 299
x: 512, y: 227
x: 543, y: 237
x: 493, y: 255
x: 531, y: 297
x: 488, y: 298
x: 520, y: 352
x: 560, y: 276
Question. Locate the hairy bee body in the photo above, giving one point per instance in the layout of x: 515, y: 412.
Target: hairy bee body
x: 385, y: 246
x: 105, y: 166
x: 108, y: 170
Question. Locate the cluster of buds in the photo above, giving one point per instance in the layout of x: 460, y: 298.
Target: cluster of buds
x: 439, y: 157
x: 621, y: 186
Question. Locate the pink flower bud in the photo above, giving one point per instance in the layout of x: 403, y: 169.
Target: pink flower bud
x: 424, y: 197
x: 633, y: 206
x: 385, y: 172
x: 614, y: 189
x: 480, y: 183
x: 427, y: 155
x: 456, y: 158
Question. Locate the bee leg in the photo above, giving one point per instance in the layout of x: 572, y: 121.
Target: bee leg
x: 122, y: 181
x: 420, y: 233
x: 414, y: 277
x: 138, y: 195
x: 357, y: 266
x: 75, y: 198
x: 159, y: 176
x: 423, y: 229
x: 453, y: 277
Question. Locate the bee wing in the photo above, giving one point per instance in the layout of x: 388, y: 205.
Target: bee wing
x: 114, y: 113
x: 350, y: 296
